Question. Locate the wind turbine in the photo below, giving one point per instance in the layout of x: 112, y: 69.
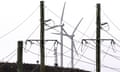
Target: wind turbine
x: 73, y: 45
x: 66, y: 34
x: 72, y: 42
x: 61, y: 32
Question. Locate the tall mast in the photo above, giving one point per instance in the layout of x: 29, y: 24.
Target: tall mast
x: 61, y: 34
x: 42, y: 48
x: 98, y: 23
x: 20, y: 56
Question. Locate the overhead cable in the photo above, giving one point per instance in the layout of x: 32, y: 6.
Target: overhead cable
x: 19, y: 24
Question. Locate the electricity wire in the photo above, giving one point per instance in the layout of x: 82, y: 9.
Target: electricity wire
x: 113, y: 24
x: 51, y: 48
x: 31, y: 52
x: 115, y: 69
x: 116, y: 57
x: 19, y: 24
x: 105, y: 54
x: 111, y: 35
x: 33, y: 31
x: 37, y: 53
x: 88, y: 27
x: 8, y: 54
x: 118, y: 46
x: 12, y: 56
x: 109, y: 55
x: 82, y: 55
x: 108, y: 49
x: 111, y: 21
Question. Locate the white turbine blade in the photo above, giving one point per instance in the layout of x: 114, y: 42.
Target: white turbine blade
x: 48, y: 20
x: 56, y: 33
x: 75, y: 48
x: 62, y: 13
x: 77, y: 26
x: 52, y: 27
x: 65, y: 32
x: 59, y: 34
x: 63, y: 45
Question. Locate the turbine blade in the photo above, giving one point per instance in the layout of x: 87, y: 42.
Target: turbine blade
x: 65, y: 31
x: 62, y: 13
x: 77, y: 26
x: 75, y: 48
x: 52, y: 27
x: 59, y: 34
x: 56, y: 33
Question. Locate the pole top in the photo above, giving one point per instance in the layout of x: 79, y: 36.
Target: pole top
x: 20, y: 41
x: 98, y: 4
x: 42, y: 1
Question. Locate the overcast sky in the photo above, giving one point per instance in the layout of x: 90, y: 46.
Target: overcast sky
x: 19, y: 18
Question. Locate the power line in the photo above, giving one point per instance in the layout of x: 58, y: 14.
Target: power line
x: 33, y: 32
x: 51, y: 47
x: 9, y: 58
x: 106, y: 54
x: 111, y: 35
x: 82, y: 54
x: 37, y: 53
x: 116, y: 57
x: 111, y: 21
x: 102, y: 51
x: 8, y: 55
x: 88, y: 26
x: 12, y: 56
x: 19, y: 24
x: 32, y: 52
x: 115, y: 69
x: 109, y: 55
x: 118, y: 46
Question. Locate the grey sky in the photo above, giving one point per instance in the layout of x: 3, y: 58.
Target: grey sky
x: 15, y: 12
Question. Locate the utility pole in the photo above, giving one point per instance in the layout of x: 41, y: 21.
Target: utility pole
x: 42, y: 48
x: 55, y: 50
x: 19, y: 56
x: 98, y: 42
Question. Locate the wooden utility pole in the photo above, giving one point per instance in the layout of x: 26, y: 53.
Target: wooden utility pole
x: 42, y: 48
x: 19, y: 56
x: 98, y: 23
